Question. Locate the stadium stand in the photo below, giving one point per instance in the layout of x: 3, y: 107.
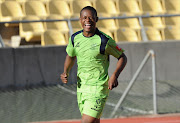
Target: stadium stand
x: 77, y: 5
x: 76, y: 26
x: 108, y: 24
x: 172, y: 21
x: 55, y: 10
x: 155, y: 22
x: 36, y: 8
x: 172, y: 6
x: 31, y: 31
x: 58, y: 25
x: 171, y: 33
x: 53, y: 37
x: 109, y: 33
x: 10, y: 11
x: 153, y: 34
x: 127, y: 34
x: 45, y: 1
x: 152, y: 7
x: 59, y: 7
x: 129, y: 7
x: 132, y: 23
x: 19, y: 1
x: 61, y: 26
x: 104, y: 11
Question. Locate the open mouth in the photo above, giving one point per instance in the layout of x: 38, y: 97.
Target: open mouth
x: 88, y: 25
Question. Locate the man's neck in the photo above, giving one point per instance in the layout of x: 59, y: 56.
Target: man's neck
x: 89, y: 34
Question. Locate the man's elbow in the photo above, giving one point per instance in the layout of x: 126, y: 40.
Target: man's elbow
x: 124, y: 59
x: 123, y: 56
x: 71, y: 57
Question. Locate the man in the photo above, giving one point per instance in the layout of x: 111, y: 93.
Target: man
x: 92, y: 48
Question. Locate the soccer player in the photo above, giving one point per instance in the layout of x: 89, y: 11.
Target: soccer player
x: 92, y: 48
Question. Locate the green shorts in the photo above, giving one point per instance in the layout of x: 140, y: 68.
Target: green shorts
x: 90, y: 104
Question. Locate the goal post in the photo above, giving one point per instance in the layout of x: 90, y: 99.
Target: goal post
x: 132, y: 81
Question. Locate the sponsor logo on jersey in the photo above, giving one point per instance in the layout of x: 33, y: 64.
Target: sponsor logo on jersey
x: 93, y: 46
x: 77, y: 45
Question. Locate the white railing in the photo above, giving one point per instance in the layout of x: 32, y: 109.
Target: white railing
x: 144, y: 36
x: 1, y: 42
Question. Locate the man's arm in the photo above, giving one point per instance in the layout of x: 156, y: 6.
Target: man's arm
x: 113, y: 82
x: 68, y: 64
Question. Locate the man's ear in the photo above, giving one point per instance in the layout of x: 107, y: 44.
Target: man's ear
x: 97, y: 19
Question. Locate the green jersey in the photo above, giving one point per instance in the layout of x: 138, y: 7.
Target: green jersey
x: 92, y: 55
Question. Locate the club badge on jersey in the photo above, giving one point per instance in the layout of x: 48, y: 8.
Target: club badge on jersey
x: 118, y: 48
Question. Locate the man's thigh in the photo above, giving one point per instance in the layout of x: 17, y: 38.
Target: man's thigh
x: 91, y: 105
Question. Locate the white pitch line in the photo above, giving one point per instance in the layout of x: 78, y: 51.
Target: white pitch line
x: 138, y: 110
x: 132, y: 109
x: 65, y: 89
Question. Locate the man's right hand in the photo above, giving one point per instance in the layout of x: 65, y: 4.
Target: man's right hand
x: 64, y: 77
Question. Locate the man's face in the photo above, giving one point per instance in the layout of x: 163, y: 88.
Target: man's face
x: 88, y: 21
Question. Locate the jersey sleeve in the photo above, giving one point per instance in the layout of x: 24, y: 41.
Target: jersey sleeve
x: 113, y: 49
x: 70, y: 49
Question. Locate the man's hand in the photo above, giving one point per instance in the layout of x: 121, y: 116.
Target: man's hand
x: 64, y: 77
x: 113, y: 82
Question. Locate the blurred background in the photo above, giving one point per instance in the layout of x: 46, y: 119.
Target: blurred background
x: 33, y: 38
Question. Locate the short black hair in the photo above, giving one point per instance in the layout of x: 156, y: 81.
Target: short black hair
x: 92, y: 9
